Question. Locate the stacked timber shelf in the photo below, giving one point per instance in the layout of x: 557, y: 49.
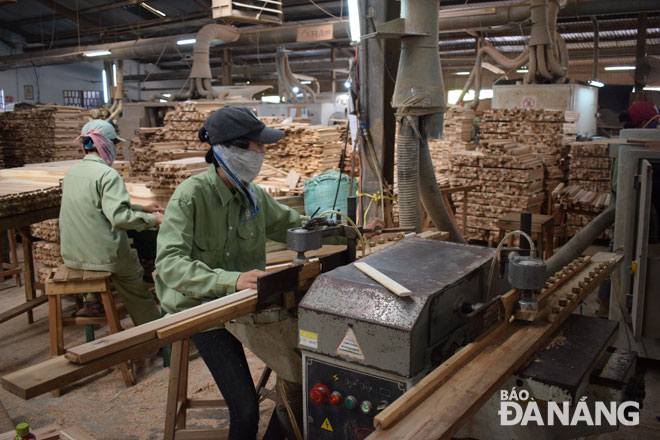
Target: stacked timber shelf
x: 307, y: 149
x: 587, y: 192
x: 456, y: 136
x: 41, y: 134
x: 47, y: 251
x: 177, y: 139
x: 509, y: 178
x: 548, y: 134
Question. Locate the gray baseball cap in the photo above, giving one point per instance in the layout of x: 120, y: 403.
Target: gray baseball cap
x: 230, y: 123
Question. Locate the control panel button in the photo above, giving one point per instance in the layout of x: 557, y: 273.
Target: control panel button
x: 350, y: 402
x: 335, y: 398
x: 382, y: 405
x: 366, y: 407
x: 319, y: 393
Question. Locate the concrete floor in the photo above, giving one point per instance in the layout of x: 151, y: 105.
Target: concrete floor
x: 102, y: 406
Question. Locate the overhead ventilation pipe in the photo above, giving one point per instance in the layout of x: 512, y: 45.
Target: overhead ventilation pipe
x: 419, y: 100
x: 286, y: 80
x: 546, y: 55
x: 200, y: 74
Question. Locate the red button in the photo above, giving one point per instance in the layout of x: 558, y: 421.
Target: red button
x: 335, y: 398
x: 319, y: 393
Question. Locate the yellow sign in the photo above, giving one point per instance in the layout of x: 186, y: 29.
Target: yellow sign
x: 315, y: 33
x: 326, y: 425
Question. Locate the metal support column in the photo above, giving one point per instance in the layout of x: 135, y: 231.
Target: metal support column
x: 379, y: 60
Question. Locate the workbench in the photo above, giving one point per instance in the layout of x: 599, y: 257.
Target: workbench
x: 21, y: 223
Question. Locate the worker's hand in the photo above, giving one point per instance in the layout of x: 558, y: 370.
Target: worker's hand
x: 153, y: 208
x: 159, y: 218
x: 375, y: 226
x: 248, y: 280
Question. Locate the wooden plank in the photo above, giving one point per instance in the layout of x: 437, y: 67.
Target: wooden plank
x: 90, y: 275
x: 61, y: 273
x: 78, y: 286
x: 59, y: 372
x: 240, y: 307
x: 74, y: 433
x: 425, y: 387
x: 383, y: 279
x: 145, y: 332
x: 449, y: 406
x: 19, y: 310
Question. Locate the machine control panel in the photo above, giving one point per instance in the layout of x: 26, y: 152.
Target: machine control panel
x: 351, y: 399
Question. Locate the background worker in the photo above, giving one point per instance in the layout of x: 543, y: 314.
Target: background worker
x: 212, y: 243
x: 95, y: 214
x: 643, y: 114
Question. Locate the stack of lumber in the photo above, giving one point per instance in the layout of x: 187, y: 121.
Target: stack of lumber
x: 548, y: 133
x: 48, y: 230
x: 278, y: 182
x: 456, y: 135
x: 124, y: 168
x: 141, y: 155
x: 587, y: 193
x: 510, y: 179
x: 47, y: 253
x: 458, y: 124
x: 307, y: 149
x: 41, y: 134
x: 169, y: 174
x: 20, y: 196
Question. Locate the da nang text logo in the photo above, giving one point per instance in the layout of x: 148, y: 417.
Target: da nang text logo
x: 516, y: 408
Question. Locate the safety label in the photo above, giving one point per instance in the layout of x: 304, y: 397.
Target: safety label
x: 349, y: 346
x: 308, y: 339
x: 326, y: 425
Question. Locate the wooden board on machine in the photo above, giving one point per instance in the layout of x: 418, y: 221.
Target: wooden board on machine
x: 470, y: 377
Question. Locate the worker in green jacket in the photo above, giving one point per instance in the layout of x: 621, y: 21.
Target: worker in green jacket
x: 212, y: 243
x: 95, y: 214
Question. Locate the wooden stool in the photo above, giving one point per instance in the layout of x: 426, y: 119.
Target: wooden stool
x: 178, y: 401
x: 543, y: 228
x: 65, y: 281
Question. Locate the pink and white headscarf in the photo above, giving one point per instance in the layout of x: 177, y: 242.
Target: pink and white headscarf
x: 101, y: 131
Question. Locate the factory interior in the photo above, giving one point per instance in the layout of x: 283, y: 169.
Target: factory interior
x: 329, y: 219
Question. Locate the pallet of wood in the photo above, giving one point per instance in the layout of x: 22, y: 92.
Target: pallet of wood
x: 20, y: 196
x: 48, y: 230
x: 169, y: 174
x: 47, y: 253
x: 41, y: 134
x: 548, y: 134
x: 587, y: 192
x: 508, y: 177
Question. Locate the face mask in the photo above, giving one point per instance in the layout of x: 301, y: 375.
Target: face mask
x: 245, y: 164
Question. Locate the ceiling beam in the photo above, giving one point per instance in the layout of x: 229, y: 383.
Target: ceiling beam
x: 68, y: 13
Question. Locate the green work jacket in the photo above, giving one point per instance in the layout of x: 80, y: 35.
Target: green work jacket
x: 96, y: 212
x: 206, y: 240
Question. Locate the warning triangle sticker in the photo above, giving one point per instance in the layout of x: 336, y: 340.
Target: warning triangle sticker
x: 326, y: 425
x: 349, y: 346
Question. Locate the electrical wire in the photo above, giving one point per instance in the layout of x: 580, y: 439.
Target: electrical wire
x: 352, y: 224
x: 323, y: 9
x: 532, y: 250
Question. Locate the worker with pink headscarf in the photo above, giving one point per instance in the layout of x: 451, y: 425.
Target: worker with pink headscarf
x: 96, y: 212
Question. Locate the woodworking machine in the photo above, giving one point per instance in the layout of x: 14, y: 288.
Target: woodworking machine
x: 363, y: 347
